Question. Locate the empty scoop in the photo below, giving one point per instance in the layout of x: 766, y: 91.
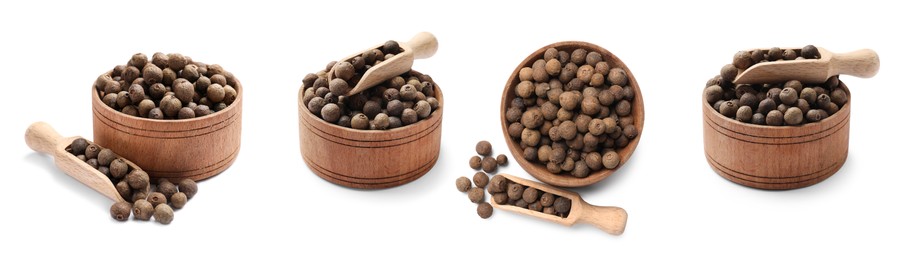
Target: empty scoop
x: 421, y: 46
x: 861, y: 63
x: 610, y: 219
x: 42, y: 138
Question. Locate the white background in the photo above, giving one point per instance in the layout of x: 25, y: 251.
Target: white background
x: 269, y: 204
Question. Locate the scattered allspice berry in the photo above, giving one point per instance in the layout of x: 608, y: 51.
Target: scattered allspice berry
x: 476, y: 162
x: 475, y: 194
x: 142, y: 210
x: 189, y: 187
x: 502, y: 159
x: 163, y: 214
x: 484, y: 210
x: 489, y: 164
x: 178, y: 200
x: 157, y: 198
x: 484, y: 148
x: 480, y: 179
x: 463, y: 184
x: 120, y: 211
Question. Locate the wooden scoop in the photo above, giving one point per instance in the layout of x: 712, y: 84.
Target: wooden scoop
x: 421, y: 46
x: 861, y: 63
x: 610, y: 219
x: 41, y: 137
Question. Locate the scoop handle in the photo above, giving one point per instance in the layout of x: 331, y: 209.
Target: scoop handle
x: 424, y: 45
x: 610, y: 219
x: 42, y: 137
x: 860, y: 63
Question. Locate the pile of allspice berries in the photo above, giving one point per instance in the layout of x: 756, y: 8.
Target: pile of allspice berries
x: 791, y: 103
x: 169, y: 86
x: 489, y: 165
x: 572, y: 112
x: 134, y: 185
x: 397, y: 102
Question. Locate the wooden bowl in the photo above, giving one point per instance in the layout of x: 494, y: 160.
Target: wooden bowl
x: 196, y: 148
x: 370, y: 159
x: 776, y: 157
x: 539, y: 170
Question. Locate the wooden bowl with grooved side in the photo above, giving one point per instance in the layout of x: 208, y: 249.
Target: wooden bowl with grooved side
x: 196, y: 148
x: 370, y: 159
x: 776, y: 157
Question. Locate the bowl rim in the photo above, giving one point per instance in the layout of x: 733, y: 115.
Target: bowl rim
x: 566, y: 180
x: 833, y: 118
x: 436, y: 113
x: 96, y: 95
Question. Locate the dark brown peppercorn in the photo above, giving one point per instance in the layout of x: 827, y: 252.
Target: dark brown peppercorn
x: 498, y: 184
x: 774, y: 118
x: 794, y: 116
x: 475, y: 194
x: 189, y: 187
x: 142, y: 210
x: 810, y: 52
x: 729, y: 72
x: 106, y: 156
x: 463, y: 184
x: 78, y: 146
x: 515, y: 191
x: 500, y: 198
x: 489, y: 164
x: 178, y: 200
x: 137, y: 179
x: 530, y: 194
x: 480, y: 179
x: 789, y: 96
x: 120, y: 211
x: 167, y: 188
x: 123, y: 189
x: 742, y: 60
x: 476, y: 162
x: 501, y: 159
x: 789, y: 54
x: 157, y: 198
x: 839, y: 97
x: 163, y: 214
x: 484, y: 210
x: 562, y: 205
x: 728, y: 108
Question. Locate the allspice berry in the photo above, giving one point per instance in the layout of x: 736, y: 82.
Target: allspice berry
x: 484, y: 210
x: 120, y: 211
x: 530, y: 194
x: 476, y: 162
x: 157, y: 198
x: 167, y: 188
x: 163, y: 214
x: 498, y: 184
x: 475, y: 194
x: 105, y: 157
x: 794, y: 116
x: 360, y: 121
x: 142, y: 210
x: 774, y: 118
x: 331, y: 113
x: 463, y: 184
x: 484, y: 148
x: 189, y: 187
x: 137, y: 179
x: 502, y: 159
x: 547, y: 199
x: 480, y: 179
x: 562, y: 205
x: 515, y: 191
x: 610, y: 160
x: 78, y: 146
x: 489, y: 164
x: 178, y: 200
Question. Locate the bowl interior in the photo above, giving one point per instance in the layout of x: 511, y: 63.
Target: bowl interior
x: 538, y: 170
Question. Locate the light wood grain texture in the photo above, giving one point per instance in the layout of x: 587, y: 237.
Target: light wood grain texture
x: 370, y: 159
x: 861, y: 63
x: 538, y: 170
x: 422, y: 45
x: 42, y: 138
x: 610, y: 219
x: 196, y: 148
x: 776, y: 157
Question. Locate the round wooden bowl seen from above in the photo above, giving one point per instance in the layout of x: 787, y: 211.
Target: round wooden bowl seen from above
x: 370, y: 159
x: 196, y: 148
x: 776, y: 157
x: 537, y: 169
